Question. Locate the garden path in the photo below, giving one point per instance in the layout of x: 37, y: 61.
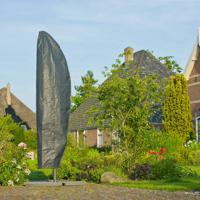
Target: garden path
x: 90, y: 191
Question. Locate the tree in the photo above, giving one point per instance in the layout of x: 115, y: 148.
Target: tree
x: 85, y: 90
x: 127, y: 103
x: 170, y: 64
x: 177, y: 117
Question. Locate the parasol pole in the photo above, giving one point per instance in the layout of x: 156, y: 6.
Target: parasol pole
x: 54, y: 174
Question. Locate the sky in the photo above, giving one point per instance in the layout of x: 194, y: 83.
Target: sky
x: 91, y: 34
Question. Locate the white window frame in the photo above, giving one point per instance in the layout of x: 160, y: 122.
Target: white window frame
x: 77, y: 137
x: 84, y: 137
x: 197, y: 128
x: 100, y: 142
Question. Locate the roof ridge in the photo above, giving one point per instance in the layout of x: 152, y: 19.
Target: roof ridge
x: 4, y: 88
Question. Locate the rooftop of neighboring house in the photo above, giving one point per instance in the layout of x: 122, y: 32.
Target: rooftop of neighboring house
x: 192, y: 68
x: 192, y: 74
x: 10, y: 104
x: 143, y: 60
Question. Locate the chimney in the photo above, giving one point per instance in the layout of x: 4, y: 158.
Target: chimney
x: 128, y: 53
x: 8, y: 94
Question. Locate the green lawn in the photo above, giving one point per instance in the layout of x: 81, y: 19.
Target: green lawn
x: 38, y: 174
x: 186, y: 183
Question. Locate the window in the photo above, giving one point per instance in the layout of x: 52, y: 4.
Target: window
x: 197, y: 129
x: 24, y: 127
x: 99, y: 138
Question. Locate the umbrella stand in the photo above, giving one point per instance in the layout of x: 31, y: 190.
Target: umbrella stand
x: 54, y: 174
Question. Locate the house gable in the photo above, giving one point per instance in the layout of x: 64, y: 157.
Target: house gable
x: 192, y: 74
x: 18, y: 110
x: 142, y: 59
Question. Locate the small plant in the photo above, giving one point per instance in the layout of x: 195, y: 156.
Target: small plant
x: 141, y: 172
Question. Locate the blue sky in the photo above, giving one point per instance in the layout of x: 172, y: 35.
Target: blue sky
x: 91, y: 34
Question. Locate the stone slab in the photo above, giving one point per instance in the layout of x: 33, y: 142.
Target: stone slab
x: 52, y: 183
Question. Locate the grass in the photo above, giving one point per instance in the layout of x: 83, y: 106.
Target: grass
x: 38, y: 174
x: 178, y: 184
x: 182, y: 184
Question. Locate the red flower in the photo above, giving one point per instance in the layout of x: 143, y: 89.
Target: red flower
x: 160, y: 157
x: 162, y: 151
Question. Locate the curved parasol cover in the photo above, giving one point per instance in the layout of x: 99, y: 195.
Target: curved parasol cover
x: 53, y: 90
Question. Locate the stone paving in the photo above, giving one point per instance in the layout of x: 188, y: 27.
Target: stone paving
x: 90, y: 192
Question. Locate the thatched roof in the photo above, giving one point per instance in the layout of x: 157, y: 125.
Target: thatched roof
x: 18, y: 110
x: 142, y: 59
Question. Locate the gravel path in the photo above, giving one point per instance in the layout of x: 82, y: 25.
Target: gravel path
x: 90, y: 191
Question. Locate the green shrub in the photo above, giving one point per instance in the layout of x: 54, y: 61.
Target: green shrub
x: 90, y: 159
x: 141, y: 172
x: 171, y: 144
x: 105, y: 149
x: 13, y: 167
x: 9, y: 126
x: 166, y: 168
x: 82, y: 176
x: 71, y: 140
x: 95, y: 175
x: 187, y: 171
x: 116, y: 170
x: 30, y: 138
x: 81, y: 164
x: 193, y: 152
x: 67, y: 171
x: 113, y: 159
x: 14, y: 171
x: 194, y: 157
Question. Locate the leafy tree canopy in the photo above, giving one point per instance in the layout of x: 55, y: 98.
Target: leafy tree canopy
x: 171, y: 64
x: 127, y: 103
x: 86, y: 89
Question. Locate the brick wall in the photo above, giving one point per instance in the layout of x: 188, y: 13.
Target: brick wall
x: 194, y: 92
x: 194, y: 88
x: 107, y: 137
x: 91, y: 137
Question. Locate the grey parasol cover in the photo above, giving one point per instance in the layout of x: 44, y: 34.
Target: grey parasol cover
x: 53, y: 91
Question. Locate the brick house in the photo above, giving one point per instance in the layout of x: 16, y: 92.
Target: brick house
x: 192, y: 74
x: 90, y: 134
x: 10, y: 104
